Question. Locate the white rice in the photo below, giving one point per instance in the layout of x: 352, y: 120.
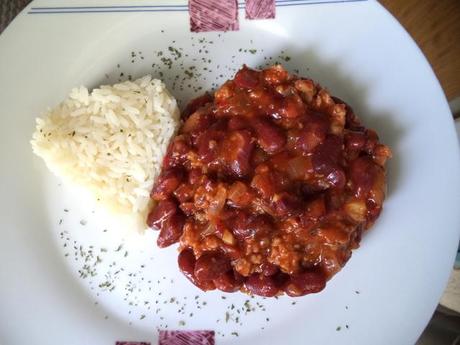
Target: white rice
x: 110, y: 141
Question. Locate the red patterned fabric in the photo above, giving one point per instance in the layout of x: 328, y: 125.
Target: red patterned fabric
x: 260, y: 9
x: 186, y: 338
x: 213, y: 15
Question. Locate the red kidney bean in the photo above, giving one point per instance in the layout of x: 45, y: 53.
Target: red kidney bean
x: 268, y: 269
x: 208, y: 145
x: 258, y: 156
x: 261, y: 285
x: 236, y: 150
x: 246, y: 78
x: 211, y: 265
x: 220, y: 124
x: 305, y: 283
x: 245, y: 226
x: 195, y: 104
x: 337, y: 178
x: 270, y: 138
x: 197, y: 122
x: 195, y: 176
x: 171, y: 230
x: 286, y: 204
x: 263, y: 184
x: 167, y: 182
x: 184, y: 193
x: 354, y: 140
x: 230, y: 281
x: 362, y: 174
x: 186, y: 262
x: 327, y: 155
x: 314, y: 132
x: 177, y: 152
x: 373, y: 213
x: 266, y: 102
x: 372, y: 140
x: 299, y: 167
x: 311, y: 189
x: 188, y: 208
x: 281, y: 279
x: 164, y: 210
x: 233, y: 252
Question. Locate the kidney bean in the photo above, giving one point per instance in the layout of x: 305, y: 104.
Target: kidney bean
x: 177, y: 152
x: 270, y: 138
x: 195, y: 176
x: 188, y: 208
x: 233, y: 252
x: 314, y: 132
x: 286, y: 204
x: 171, y: 230
x: 186, y: 262
x: 326, y: 155
x: 354, y: 140
x: 167, y: 182
x: 266, y: 102
x: 311, y: 188
x: 281, y: 279
x: 305, y: 283
x: 208, y: 145
x: 197, y: 122
x: 211, y: 265
x: 246, y: 78
x: 268, y: 269
x: 299, y: 167
x: 337, y: 178
x: 264, y: 184
x: 372, y: 140
x: 259, y: 284
x: 195, y: 104
x: 259, y: 156
x: 235, y: 152
x: 164, y: 210
x: 363, y: 174
x: 184, y: 193
x: 245, y: 226
x: 229, y: 281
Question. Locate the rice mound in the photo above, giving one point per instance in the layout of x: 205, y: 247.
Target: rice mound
x: 110, y: 141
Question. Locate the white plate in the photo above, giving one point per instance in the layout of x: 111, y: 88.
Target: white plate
x: 387, y: 291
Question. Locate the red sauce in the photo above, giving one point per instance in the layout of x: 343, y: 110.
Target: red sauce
x: 268, y: 186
